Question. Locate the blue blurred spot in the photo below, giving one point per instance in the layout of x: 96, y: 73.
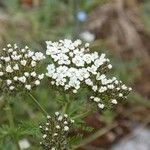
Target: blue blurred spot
x: 81, y: 16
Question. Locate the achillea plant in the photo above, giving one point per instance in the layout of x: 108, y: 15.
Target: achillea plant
x: 72, y: 67
x: 18, y: 69
x: 55, y: 132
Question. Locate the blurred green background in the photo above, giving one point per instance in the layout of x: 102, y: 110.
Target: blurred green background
x: 120, y: 28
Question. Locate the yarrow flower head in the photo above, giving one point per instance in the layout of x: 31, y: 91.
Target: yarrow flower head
x: 55, y: 132
x: 74, y: 66
x: 18, y: 69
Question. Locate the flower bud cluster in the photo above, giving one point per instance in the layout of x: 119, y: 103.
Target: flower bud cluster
x: 18, y: 68
x: 55, y: 132
x: 74, y: 67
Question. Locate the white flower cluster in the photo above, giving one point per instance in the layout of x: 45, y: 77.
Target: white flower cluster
x: 74, y: 66
x: 55, y: 132
x: 108, y: 91
x: 18, y: 68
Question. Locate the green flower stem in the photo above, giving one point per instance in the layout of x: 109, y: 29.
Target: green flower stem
x: 65, y: 108
x: 67, y: 102
x: 96, y: 135
x: 11, y: 122
x: 9, y: 115
x: 80, y: 116
x: 38, y: 104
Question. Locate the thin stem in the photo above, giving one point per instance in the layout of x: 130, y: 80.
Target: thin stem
x: 17, y: 144
x: 9, y: 114
x: 82, y: 115
x: 38, y: 104
x: 95, y: 136
x: 65, y: 108
x: 67, y: 101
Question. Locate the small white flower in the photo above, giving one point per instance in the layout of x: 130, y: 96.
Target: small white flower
x: 27, y: 74
x: 44, y: 136
x: 89, y: 82
x: 65, y: 122
x: 37, y: 82
x: 94, y: 88
x: 65, y: 115
x: 130, y: 89
x: 33, y: 63
x: 48, y: 117
x: 74, y: 91
x: 23, y: 62
x: 71, y: 54
x: 118, y: 88
x: 4, y: 49
x: 91, y: 97
x: 9, y: 69
x: 116, y: 81
x: 1, y: 73
x: 55, y: 134
x: 120, y: 95
x: 40, y: 127
x: 10, y: 50
x: 46, y: 129
x: 9, y: 45
x: 102, y: 89
x: 96, y: 99
x: 23, y: 50
x: 16, y: 67
x: 15, y: 78
x: 72, y: 121
x: 38, y: 56
x: 33, y: 74
x: 101, y: 105
x: 110, y: 66
x: 66, y: 128
x: 57, y: 127
x: 111, y: 86
x: 7, y: 59
x: 9, y: 82
x: 30, y: 54
x: 57, y: 113
x: 28, y: 87
x: 41, y: 76
x: 11, y: 87
x: 22, y: 79
x: 47, y: 124
x: 124, y: 87
x: 87, y: 44
x: 114, y: 101
x: 60, y: 118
